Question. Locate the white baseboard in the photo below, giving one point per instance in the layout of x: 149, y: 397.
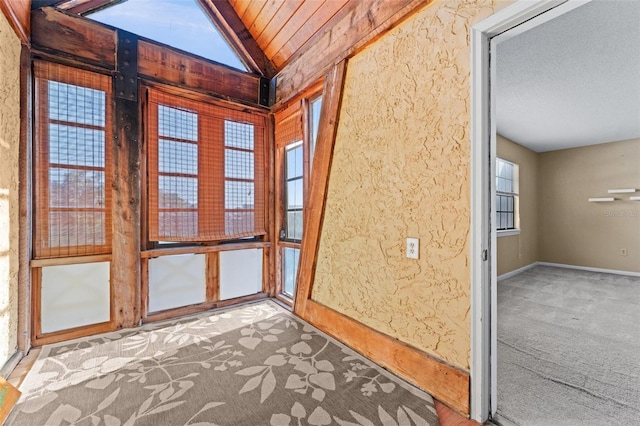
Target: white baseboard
x: 516, y: 271
x: 590, y: 269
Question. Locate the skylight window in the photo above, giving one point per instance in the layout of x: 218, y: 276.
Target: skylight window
x: 178, y: 23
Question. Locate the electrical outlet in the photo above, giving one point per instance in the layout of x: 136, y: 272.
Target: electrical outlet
x: 413, y: 248
x: 623, y: 252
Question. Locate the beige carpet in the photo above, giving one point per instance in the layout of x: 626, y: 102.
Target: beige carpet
x: 251, y: 365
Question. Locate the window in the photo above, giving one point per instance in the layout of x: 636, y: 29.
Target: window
x: 314, y: 118
x: 72, y: 162
x: 506, y: 195
x: 293, y: 192
x: 206, y: 179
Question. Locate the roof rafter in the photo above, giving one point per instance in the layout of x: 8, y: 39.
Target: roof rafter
x: 234, y: 31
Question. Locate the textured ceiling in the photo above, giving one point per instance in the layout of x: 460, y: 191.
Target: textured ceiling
x: 574, y: 80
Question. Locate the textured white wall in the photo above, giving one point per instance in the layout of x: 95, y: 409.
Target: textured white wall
x: 9, y: 211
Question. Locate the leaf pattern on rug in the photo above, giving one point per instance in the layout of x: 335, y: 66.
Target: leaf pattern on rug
x: 249, y: 365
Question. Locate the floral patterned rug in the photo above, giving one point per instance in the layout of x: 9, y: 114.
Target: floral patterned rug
x: 250, y: 365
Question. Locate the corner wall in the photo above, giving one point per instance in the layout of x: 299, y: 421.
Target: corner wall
x: 517, y: 251
x: 9, y: 210
x: 576, y: 232
x: 401, y: 168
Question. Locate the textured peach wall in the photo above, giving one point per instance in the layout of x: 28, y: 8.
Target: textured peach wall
x: 9, y: 142
x: 401, y: 168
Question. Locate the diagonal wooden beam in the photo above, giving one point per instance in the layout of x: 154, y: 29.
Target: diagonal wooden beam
x: 83, y: 6
x: 358, y: 24
x: 18, y: 14
x: 234, y: 31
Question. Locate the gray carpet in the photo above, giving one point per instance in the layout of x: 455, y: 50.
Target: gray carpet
x: 569, y: 348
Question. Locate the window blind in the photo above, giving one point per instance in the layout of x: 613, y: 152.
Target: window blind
x: 205, y: 170
x: 72, y: 162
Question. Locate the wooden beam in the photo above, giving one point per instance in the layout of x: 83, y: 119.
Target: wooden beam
x: 126, y: 187
x: 171, y: 251
x: 83, y: 6
x: 314, y: 213
x: 163, y: 64
x: 356, y: 25
x: 73, y: 37
x: 445, y: 382
x: 18, y: 13
x: 25, y: 205
x: 234, y: 31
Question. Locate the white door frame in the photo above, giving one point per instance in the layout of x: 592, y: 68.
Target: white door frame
x: 517, y: 17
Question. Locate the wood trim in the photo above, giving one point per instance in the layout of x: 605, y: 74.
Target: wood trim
x: 445, y: 382
x: 212, y: 273
x: 147, y: 254
x: 36, y: 298
x: 329, y: 116
x: 75, y: 260
x: 74, y: 37
x: 269, y: 273
x: 73, y: 333
x: 19, y: 17
x: 25, y: 198
x: 236, y: 34
x: 201, y: 307
x: 83, y: 6
x: 162, y: 63
x: 354, y: 27
x: 18, y: 13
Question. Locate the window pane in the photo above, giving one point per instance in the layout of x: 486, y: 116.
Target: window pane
x: 294, y: 225
x: 76, y: 188
x: 178, y: 192
x: 238, y: 195
x: 239, y: 222
x: 72, y: 228
x: 177, y: 157
x: 238, y: 135
x: 510, y: 220
x: 76, y: 104
x: 290, y: 258
x: 316, y: 106
x: 178, y: 224
x: 76, y: 146
x: 177, y: 123
x: 294, y: 194
x: 294, y: 162
x: 509, y: 203
x: 238, y: 164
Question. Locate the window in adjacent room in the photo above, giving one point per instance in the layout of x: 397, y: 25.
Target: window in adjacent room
x: 506, y: 195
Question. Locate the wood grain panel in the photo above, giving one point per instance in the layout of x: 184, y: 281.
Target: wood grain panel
x: 240, y: 6
x: 279, y: 20
x: 73, y: 36
x: 270, y: 8
x: 252, y: 12
x: 18, y: 13
x: 297, y: 20
x: 163, y: 64
x: 320, y: 21
x: 353, y: 28
x: 444, y: 382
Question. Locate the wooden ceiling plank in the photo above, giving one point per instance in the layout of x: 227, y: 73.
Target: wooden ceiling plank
x: 282, y: 18
x: 252, y: 13
x: 298, y: 20
x: 235, y: 32
x: 312, y: 26
x: 241, y: 7
x: 342, y: 37
x: 18, y: 13
x: 83, y: 6
x: 265, y: 17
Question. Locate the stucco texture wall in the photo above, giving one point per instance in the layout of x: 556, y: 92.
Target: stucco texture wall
x: 517, y: 251
x: 401, y: 168
x: 9, y: 212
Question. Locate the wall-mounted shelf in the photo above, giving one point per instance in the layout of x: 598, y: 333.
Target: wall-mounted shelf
x: 636, y: 198
x: 601, y: 200
x: 622, y: 191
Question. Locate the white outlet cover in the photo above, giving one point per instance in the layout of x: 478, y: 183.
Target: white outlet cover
x: 413, y: 248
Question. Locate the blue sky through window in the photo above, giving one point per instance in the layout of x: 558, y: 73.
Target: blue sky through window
x: 178, y: 23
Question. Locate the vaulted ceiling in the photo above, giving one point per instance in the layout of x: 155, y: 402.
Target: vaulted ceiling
x: 270, y: 32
